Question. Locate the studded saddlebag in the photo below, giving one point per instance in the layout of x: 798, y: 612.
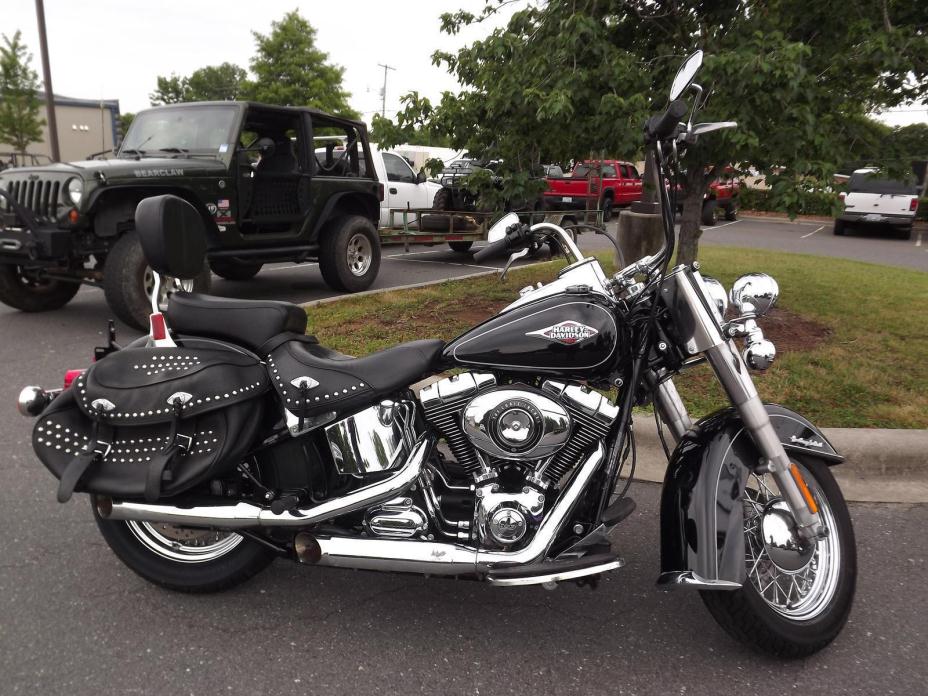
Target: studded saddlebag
x: 152, y: 422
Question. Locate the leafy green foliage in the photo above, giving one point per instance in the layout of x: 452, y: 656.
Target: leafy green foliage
x: 800, y: 202
x: 20, y: 123
x: 563, y: 79
x: 289, y: 69
x: 223, y: 82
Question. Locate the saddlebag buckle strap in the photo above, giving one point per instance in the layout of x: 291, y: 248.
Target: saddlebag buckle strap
x: 159, y: 468
x: 97, y: 450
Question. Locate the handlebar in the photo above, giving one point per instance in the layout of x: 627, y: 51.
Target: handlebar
x: 662, y: 126
x: 513, y: 234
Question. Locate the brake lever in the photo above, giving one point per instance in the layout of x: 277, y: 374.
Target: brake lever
x: 520, y: 254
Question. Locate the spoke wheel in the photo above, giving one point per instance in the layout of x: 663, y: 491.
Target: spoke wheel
x: 797, y: 579
x: 184, y: 544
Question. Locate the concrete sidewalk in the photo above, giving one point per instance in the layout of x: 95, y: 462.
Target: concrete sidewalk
x: 881, y: 466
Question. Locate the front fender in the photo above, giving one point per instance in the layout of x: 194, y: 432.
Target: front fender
x: 702, y: 516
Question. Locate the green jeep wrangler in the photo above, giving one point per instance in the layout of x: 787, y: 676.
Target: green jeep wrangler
x: 253, y: 172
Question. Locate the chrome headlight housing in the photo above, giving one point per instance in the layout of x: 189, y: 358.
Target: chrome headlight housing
x: 75, y: 190
x: 754, y: 294
x: 717, y: 296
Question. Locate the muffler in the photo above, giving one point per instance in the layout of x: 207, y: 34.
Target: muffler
x: 243, y: 515
x: 436, y: 558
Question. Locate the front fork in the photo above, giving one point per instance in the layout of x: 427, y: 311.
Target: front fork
x: 682, y: 294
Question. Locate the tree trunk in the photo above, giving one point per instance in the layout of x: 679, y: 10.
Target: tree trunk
x: 690, y: 231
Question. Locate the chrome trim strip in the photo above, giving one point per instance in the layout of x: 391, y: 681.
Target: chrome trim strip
x: 687, y: 578
x: 556, y: 577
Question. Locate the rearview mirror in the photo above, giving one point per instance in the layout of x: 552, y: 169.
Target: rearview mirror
x: 685, y: 75
x: 420, y: 177
x: 498, y: 231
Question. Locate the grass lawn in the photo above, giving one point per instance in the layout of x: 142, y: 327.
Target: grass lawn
x: 852, y: 337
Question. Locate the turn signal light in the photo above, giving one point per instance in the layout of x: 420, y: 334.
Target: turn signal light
x: 70, y: 376
x: 73, y: 216
x: 804, y: 489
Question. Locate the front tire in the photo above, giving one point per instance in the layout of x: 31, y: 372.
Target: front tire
x: 797, y: 604
x: 349, y: 257
x: 184, y: 559
x: 127, y: 279
x: 26, y: 293
x: 607, y: 210
x: 731, y: 212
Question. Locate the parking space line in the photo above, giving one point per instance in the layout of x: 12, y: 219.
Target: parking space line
x: 918, y: 241
x: 818, y: 229
x: 718, y: 227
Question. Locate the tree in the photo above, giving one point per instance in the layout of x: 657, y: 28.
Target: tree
x: 20, y: 123
x: 289, y: 70
x: 125, y: 120
x: 223, y: 82
x: 563, y: 79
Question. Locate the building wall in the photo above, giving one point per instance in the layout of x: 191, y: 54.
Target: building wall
x: 83, y: 129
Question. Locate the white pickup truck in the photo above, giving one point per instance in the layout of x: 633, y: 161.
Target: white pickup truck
x: 871, y: 200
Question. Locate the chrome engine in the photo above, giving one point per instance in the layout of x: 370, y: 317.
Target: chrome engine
x: 516, y: 442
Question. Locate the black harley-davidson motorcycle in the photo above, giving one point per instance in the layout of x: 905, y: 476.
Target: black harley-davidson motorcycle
x: 228, y: 437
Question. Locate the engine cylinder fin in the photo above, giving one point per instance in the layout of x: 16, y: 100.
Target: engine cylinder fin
x: 586, y: 432
x: 445, y: 418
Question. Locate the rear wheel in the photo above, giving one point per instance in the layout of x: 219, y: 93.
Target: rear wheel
x: 731, y: 212
x: 904, y: 232
x: 230, y: 269
x: 798, y: 594
x: 607, y: 209
x: 839, y: 228
x: 128, y: 281
x: 185, y: 559
x: 349, y: 257
x: 708, y: 213
x: 29, y: 292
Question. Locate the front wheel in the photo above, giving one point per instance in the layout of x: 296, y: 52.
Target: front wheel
x: 29, y: 292
x: 797, y: 595
x: 184, y: 559
x: 708, y: 213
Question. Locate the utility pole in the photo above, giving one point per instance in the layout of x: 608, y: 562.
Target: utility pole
x: 383, y: 105
x: 47, y: 74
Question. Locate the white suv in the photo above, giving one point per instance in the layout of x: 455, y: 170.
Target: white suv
x: 871, y: 200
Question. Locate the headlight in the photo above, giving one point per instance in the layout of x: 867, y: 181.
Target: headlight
x: 717, y: 295
x: 754, y: 294
x: 75, y: 189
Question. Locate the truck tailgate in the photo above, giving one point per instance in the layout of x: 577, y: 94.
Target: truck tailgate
x: 878, y: 203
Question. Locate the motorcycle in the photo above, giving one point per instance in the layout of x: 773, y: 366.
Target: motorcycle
x: 227, y: 437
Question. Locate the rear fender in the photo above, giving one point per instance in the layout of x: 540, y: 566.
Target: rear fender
x: 702, y: 518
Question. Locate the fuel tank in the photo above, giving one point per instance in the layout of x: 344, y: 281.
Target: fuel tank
x: 569, y: 335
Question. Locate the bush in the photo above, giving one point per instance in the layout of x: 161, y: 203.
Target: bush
x: 808, y: 202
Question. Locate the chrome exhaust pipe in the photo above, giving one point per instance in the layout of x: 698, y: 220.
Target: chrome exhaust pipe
x: 244, y: 515
x: 436, y: 558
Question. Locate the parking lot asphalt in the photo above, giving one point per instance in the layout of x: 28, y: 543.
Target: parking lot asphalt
x: 74, y: 621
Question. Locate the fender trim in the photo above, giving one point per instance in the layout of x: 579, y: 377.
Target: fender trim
x: 702, y: 517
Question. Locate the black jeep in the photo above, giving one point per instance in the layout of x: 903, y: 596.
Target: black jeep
x: 252, y: 172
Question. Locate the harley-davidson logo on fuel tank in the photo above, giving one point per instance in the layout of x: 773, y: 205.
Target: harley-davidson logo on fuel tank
x: 566, y: 332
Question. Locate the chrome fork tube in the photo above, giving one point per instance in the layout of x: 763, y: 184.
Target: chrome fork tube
x: 733, y: 374
x: 671, y: 409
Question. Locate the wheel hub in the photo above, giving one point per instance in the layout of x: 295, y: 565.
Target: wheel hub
x: 780, y: 536
x: 359, y: 254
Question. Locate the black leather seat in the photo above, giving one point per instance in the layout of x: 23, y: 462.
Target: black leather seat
x: 248, y: 323
x: 338, y: 382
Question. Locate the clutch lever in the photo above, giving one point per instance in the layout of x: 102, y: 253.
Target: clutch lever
x: 520, y: 254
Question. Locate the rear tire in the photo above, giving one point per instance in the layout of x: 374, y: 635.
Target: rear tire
x: 349, y: 257
x: 904, y: 232
x: 124, y: 280
x: 222, y: 565
x: 840, y: 228
x: 708, y: 213
x: 805, y: 625
x: 607, y: 209
x: 231, y: 269
x: 731, y: 212
x: 460, y: 247
x: 26, y: 294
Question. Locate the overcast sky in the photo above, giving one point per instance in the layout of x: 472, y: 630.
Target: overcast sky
x: 114, y: 49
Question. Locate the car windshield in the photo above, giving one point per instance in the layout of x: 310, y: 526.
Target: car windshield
x: 862, y: 182
x: 584, y: 170
x: 200, y: 129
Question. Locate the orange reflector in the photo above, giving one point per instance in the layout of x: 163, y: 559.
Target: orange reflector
x: 73, y: 216
x: 806, y: 493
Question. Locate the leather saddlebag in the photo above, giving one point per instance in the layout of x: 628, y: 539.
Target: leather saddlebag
x: 152, y: 422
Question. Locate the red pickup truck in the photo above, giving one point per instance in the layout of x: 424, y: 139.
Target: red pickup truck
x: 584, y: 188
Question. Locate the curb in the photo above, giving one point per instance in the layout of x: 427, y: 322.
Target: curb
x: 413, y: 286
x: 882, y: 465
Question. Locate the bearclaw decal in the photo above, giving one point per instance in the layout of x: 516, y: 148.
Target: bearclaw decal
x: 566, y: 332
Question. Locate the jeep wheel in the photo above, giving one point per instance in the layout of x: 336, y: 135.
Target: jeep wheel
x: 29, y: 293
x: 349, y: 257
x: 708, y: 213
x: 128, y: 280
x: 731, y: 212
x: 230, y: 269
